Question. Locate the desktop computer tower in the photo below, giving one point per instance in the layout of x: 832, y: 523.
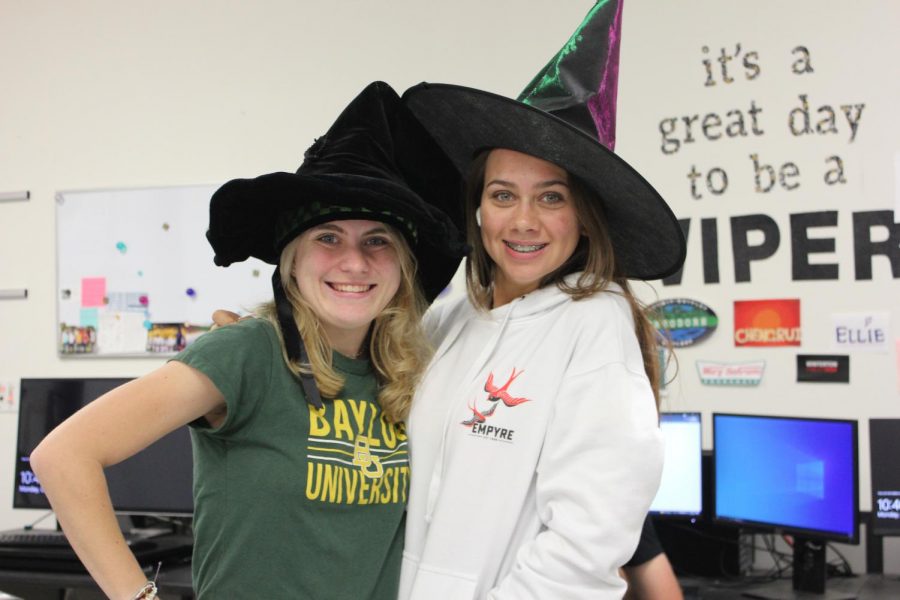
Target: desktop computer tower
x: 700, y: 547
x: 704, y: 549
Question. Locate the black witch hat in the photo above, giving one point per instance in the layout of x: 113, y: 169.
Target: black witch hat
x: 566, y: 116
x: 374, y: 163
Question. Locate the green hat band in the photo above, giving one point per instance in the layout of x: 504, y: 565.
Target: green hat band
x: 294, y: 222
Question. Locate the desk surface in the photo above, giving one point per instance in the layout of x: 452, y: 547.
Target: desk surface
x: 55, y: 569
x: 175, y: 579
x: 862, y: 587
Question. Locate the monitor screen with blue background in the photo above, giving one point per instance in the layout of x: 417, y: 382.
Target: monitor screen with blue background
x: 797, y: 475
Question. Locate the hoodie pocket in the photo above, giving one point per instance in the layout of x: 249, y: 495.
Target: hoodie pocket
x: 424, y: 582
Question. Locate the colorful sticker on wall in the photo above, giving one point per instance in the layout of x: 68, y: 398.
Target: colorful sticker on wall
x: 823, y: 368
x: 8, y: 402
x: 869, y: 332
x: 748, y: 373
x: 682, y: 321
x: 767, y: 322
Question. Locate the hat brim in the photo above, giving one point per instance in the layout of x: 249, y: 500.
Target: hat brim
x: 646, y: 237
x: 244, y: 216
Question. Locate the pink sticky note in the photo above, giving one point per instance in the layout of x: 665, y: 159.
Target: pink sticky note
x: 93, y: 290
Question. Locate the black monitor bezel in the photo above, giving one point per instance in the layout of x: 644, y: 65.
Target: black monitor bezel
x: 765, y: 527
x: 879, y: 527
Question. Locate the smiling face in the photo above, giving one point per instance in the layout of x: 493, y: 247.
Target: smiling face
x: 347, y: 271
x: 529, y: 226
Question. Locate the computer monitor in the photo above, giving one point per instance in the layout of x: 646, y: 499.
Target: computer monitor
x: 680, y: 492
x: 884, y: 448
x: 155, y: 481
x: 798, y: 476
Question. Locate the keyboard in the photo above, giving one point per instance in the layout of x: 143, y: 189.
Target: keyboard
x: 48, y: 550
x: 45, y: 538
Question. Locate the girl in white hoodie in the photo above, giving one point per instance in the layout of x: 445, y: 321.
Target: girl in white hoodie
x: 534, y: 442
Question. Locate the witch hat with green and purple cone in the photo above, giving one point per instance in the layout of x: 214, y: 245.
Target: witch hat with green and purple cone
x: 580, y: 82
x: 566, y: 116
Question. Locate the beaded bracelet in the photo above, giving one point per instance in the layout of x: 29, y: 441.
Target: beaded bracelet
x: 148, y: 592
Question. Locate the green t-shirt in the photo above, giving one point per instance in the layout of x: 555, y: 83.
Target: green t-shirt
x: 291, y: 501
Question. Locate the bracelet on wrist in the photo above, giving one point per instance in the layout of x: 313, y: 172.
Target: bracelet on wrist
x: 147, y: 592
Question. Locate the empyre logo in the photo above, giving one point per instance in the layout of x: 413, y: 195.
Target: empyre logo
x: 495, y: 395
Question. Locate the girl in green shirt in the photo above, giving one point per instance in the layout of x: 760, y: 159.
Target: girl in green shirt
x: 301, y: 469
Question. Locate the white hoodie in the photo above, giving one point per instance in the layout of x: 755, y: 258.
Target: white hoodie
x: 535, y: 451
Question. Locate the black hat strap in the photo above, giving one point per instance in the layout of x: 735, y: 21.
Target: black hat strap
x: 293, y: 343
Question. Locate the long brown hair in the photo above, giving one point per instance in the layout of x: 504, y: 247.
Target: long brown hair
x: 593, y: 257
x: 397, y: 345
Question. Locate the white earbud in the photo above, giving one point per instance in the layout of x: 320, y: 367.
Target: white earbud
x: 478, y: 216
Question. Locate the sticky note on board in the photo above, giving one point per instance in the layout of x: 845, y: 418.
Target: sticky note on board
x: 93, y: 290
x: 89, y: 317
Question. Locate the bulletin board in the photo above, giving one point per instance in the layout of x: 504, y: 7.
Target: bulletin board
x: 135, y: 274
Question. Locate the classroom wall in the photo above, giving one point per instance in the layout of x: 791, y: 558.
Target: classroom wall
x: 102, y: 94
x: 781, y: 119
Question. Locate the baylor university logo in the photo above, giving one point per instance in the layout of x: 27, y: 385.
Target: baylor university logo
x: 365, y: 460
x: 354, y: 455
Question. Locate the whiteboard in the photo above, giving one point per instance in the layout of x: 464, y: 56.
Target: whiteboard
x: 135, y: 274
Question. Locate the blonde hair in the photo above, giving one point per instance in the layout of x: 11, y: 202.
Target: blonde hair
x: 397, y: 345
x: 593, y: 257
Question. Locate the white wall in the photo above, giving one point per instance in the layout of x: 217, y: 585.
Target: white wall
x: 105, y: 94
